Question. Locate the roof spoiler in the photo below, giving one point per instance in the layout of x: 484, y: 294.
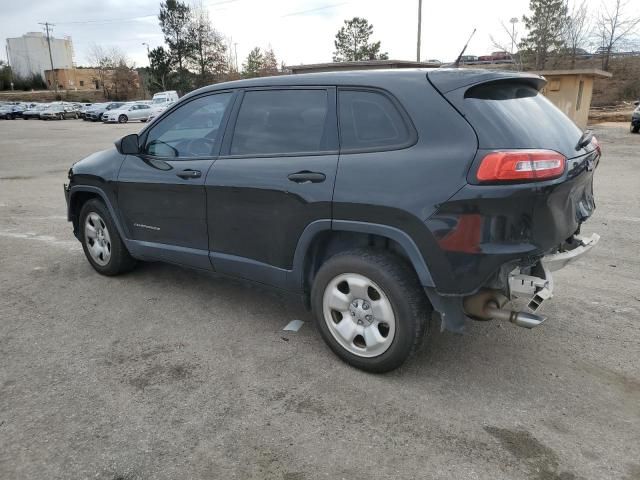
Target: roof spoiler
x: 449, y: 79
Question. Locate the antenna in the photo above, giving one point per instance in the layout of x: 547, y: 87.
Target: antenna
x: 457, y: 62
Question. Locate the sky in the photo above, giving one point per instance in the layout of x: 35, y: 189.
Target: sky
x: 299, y: 31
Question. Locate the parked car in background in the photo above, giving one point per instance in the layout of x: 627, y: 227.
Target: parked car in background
x: 34, y: 112
x: 635, y: 119
x: 127, y: 112
x: 95, y: 113
x: 156, y: 111
x: 59, y: 112
x: 12, y: 111
x: 377, y: 196
x: 83, y: 110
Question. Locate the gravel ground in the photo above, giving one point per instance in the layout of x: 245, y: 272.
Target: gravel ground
x: 167, y: 373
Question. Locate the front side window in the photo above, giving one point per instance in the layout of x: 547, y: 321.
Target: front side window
x: 281, y: 122
x: 191, y: 130
x: 370, y: 120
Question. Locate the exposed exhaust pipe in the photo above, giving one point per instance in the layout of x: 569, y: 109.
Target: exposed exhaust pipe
x: 489, y: 305
x: 521, y: 319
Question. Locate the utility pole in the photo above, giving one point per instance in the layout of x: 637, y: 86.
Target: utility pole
x: 55, y: 76
x: 235, y: 49
x: 9, y: 65
x: 513, y: 22
x: 419, y: 29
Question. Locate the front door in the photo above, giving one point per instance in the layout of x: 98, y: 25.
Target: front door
x: 275, y: 177
x: 161, y: 191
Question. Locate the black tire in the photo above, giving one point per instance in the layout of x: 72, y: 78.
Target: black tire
x: 399, y: 282
x: 122, y: 119
x: 635, y: 129
x: 120, y: 261
x: 61, y: 116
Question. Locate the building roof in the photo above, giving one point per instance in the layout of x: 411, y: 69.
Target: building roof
x: 589, y: 72
x: 362, y: 64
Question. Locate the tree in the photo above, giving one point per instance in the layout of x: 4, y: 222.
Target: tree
x: 175, y: 18
x: 253, y: 64
x: 576, y: 30
x: 544, y: 29
x: 352, y: 42
x: 269, y: 63
x: 614, y: 26
x: 209, y: 51
x: 103, y: 61
x: 160, y: 68
x: 511, y: 41
x: 125, y: 80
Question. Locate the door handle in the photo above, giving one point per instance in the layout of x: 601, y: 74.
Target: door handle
x: 307, y: 177
x: 187, y: 174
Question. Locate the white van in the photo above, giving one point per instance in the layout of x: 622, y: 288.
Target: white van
x: 162, y: 99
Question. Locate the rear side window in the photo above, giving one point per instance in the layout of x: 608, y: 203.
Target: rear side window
x: 516, y: 115
x: 370, y: 121
x: 280, y: 122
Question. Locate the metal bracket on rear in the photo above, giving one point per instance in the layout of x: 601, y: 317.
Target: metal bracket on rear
x: 537, y: 288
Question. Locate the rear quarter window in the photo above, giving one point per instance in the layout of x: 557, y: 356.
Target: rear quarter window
x: 516, y: 115
x: 370, y: 121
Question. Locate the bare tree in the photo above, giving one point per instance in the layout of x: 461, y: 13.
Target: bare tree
x: 512, y: 36
x: 614, y: 26
x: 577, y: 30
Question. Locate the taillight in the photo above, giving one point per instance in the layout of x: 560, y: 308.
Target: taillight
x: 596, y: 144
x: 524, y: 165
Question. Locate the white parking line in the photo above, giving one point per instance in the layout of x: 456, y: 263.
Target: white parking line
x: 69, y: 244
x: 293, y: 326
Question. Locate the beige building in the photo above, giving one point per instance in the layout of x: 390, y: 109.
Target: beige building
x: 85, y: 79
x: 571, y: 91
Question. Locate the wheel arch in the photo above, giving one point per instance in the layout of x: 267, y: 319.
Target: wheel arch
x: 324, y: 238
x: 81, y: 194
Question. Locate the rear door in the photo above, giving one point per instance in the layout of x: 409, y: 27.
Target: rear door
x: 275, y: 177
x: 161, y: 191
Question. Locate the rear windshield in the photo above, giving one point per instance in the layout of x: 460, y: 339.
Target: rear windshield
x: 515, y: 115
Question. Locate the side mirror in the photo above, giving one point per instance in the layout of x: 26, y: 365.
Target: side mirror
x: 128, y: 145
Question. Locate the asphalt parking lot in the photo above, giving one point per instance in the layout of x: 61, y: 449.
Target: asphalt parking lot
x: 166, y: 373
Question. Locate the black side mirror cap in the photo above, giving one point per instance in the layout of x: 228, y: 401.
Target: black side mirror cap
x: 128, y: 145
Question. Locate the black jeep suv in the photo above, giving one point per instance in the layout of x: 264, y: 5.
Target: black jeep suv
x: 377, y: 196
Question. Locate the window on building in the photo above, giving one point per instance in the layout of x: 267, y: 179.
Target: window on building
x: 82, y: 83
x: 579, y: 100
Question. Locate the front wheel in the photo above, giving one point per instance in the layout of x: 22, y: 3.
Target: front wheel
x: 122, y: 119
x: 101, y: 242
x: 370, y: 309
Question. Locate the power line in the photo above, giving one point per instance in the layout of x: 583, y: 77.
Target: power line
x: 109, y: 20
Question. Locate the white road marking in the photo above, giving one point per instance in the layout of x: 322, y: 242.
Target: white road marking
x: 71, y: 245
x: 293, y: 326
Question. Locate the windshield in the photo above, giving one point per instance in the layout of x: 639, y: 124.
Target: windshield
x: 159, y: 100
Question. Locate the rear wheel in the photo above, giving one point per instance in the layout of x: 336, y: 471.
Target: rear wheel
x: 61, y: 116
x: 122, y: 119
x: 370, y: 309
x: 101, y: 242
x: 635, y: 128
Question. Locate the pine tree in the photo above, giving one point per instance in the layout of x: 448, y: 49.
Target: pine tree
x: 269, y: 63
x: 175, y: 18
x: 352, y: 42
x: 545, y: 29
x: 253, y: 64
x: 209, y: 51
